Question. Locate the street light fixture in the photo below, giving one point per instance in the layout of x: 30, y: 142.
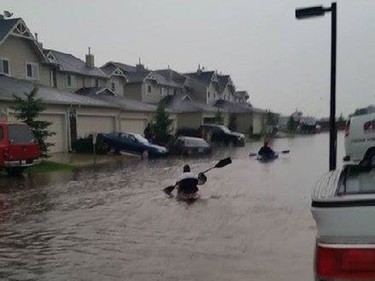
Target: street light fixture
x: 317, y: 11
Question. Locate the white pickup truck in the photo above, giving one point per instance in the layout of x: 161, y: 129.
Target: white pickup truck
x: 343, y: 206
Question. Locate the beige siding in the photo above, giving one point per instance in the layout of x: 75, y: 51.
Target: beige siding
x: 199, y: 89
x: 244, y: 122
x: 189, y: 120
x: 58, y: 126
x: 155, y: 95
x: 257, y: 123
x: 134, y: 126
x: 19, y: 51
x: 133, y: 91
x: 214, y: 95
x: 119, y: 84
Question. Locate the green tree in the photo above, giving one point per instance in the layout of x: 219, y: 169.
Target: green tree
x: 161, y: 125
x: 232, y: 122
x: 219, y: 119
x: 28, y: 110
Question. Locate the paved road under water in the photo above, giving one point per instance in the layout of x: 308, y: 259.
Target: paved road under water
x: 252, y: 223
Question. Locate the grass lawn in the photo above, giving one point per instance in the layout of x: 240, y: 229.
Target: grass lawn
x: 49, y: 166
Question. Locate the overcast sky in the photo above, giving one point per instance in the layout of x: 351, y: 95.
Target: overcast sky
x: 283, y: 63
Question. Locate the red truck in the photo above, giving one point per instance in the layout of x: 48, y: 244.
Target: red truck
x: 18, y: 148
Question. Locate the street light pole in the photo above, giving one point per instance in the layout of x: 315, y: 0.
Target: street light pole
x: 332, y: 116
x: 311, y: 12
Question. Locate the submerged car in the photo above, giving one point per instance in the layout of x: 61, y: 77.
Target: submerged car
x: 134, y: 143
x: 343, y: 206
x: 190, y: 146
x: 221, y: 134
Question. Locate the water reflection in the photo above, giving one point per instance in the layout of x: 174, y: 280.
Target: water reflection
x: 113, y: 223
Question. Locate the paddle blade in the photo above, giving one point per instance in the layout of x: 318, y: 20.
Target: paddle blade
x: 285, y: 151
x: 168, y: 190
x: 223, y: 162
x: 253, y: 154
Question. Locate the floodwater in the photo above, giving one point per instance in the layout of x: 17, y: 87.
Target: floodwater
x: 253, y: 221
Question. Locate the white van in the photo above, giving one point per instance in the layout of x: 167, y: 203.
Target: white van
x: 360, y: 139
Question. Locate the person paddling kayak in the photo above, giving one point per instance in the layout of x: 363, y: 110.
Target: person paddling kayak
x: 265, y: 151
x: 187, y: 182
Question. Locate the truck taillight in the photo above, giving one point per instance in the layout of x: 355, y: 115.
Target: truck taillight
x: 6, y: 153
x: 347, y: 128
x: 333, y: 262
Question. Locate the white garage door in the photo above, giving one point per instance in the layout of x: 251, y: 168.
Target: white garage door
x: 99, y: 124
x: 257, y: 124
x: 58, y: 127
x: 135, y: 126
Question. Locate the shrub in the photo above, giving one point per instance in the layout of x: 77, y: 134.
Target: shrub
x: 85, y: 145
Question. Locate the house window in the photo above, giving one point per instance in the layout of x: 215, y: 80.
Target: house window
x: 149, y: 89
x: 208, y: 94
x: 53, y: 78
x: 113, y: 86
x: 4, y: 66
x: 70, y: 81
x: 1, y: 133
x: 32, y: 71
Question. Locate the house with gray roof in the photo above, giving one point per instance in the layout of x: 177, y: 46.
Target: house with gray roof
x: 21, y: 56
x: 71, y: 73
x: 205, y: 85
x: 226, y: 88
x: 151, y: 86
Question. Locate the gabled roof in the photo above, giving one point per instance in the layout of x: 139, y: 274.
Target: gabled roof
x: 11, y: 27
x: 232, y: 107
x: 222, y: 81
x: 124, y: 67
x: 170, y: 77
x: 11, y: 86
x: 71, y: 64
x: 205, y: 77
x: 95, y: 91
x: 137, y: 77
x: 123, y: 103
x: 178, y: 103
x: 6, y: 26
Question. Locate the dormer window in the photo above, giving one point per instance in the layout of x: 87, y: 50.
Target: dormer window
x: 51, y: 58
x: 32, y: 71
x: 4, y: 67
x: 70, y: 81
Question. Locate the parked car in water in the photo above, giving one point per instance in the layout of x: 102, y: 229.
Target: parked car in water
x: 343, y: 206
x: 190, y: 146
x: 134, y: 143
x: 18, y: 148
x: 360, y: 139
x: 221, y: 134
x: 213, y: 133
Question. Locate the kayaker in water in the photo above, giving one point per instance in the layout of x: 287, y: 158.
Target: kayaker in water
x: 266, y: 151
x: 187, y: 182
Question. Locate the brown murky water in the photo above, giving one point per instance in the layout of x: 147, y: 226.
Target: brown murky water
x: 252, y: 223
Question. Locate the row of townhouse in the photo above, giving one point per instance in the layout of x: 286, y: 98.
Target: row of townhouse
x: 82, y: 98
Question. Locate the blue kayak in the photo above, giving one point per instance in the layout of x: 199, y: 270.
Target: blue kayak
x: 267, y: 158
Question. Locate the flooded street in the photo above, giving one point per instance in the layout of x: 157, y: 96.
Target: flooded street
x: 253, y: 221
